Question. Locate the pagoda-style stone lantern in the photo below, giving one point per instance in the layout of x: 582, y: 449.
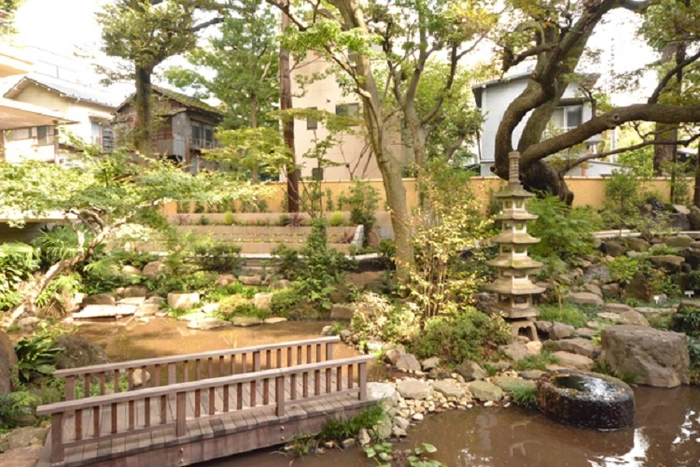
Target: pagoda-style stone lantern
x: 512, y: 286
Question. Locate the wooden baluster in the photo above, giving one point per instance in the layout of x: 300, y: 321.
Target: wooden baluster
x: 268, y: 359
x: 70, y: 387
x: 197, y: 369
x: 256, y: 361
x: 350, y: 381
x: 197, y: 402
x: 96, y: 421
x: 163, y: 409
x: 186, y: 371
x: 317, y: 382
x: 181, y: 400
x: 102, y: 383
x: 233, y: 364
x: 117, y: 377
x: 244, y: 363
x: 57, y: 437
x: 131, y: 379
x: 279, y: 395
x: 305, y: 384
x: 113, y: 408
x: 144, y: 377
x: 239, y: 396
x: 362, y: 376
x: 147, y: 412
x: 308, y: 353
x: 221, y: 365
x: 328, y: 380
x: 290, y: 353
x: 329, y: 351
x: 266, y: 391
x: 210, y: 367
x: 318, y: 353
x: 293, y: 384
x: 253, y: 393
x: 156, y: 375
x: 226, y: 396
x: 88, y: 382
x: 299, y: 355
x: 78, y: 424
x: 172, y: 373
x: 339, y: 379
x: 131, y: 415
x: 212, y: 401
x: 279, y: 358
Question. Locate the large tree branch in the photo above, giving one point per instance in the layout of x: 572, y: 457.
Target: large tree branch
x: 670, y: 74
x: 614, y: 118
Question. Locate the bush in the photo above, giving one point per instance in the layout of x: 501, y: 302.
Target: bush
x: 362, y: 202
x: 219, y: 257
x: 376, y: 318
x: 15, y: 406
x: 564, y: 232
x: 229, y: 218
x: 567, y: 314
x: 337, y: 219
x: 465, y: 334
x: 17, y: 262
x: 687, y: 321
x: 294, y: 304
x: 36, y: 355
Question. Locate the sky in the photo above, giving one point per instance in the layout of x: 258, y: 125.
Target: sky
x: 69, y: 26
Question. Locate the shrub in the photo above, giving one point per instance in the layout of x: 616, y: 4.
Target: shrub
x: 204, y: 220
x: 36, y: 355
x: 14, y: 406
x: 229, y: 218
x: 567, y: 314
x: 623, y: 268
x: 285, y: 301
x: 362, y: 201
x: 687, y: 320
x: 376, y: 318
x: 337, y: 219
x: 218, y: 256
x: 17, y: 262
x: 564, y: 231
x: 464, y: 334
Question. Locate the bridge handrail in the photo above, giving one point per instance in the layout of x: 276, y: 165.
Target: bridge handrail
x: 276, y: 376
x: 102, y: 372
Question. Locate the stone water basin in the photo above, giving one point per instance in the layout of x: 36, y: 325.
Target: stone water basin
x: 586, y: 400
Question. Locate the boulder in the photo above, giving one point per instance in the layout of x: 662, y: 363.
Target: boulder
x: 694, y: 217
x: 407, y: 362
x: 132, y: 301
x: 484, y: 391
x: 140, y: 377
x: 471, y: 371
x: 632, y: 318
x: 584, y: 298
x: 599, y: 272
x: 560, y: 331
x: 586, y: 333
x: 23, y: 437
x: 254, y: 280
x: 209, y: 308
x: 224, y: 280
x: 414, y: 389
x: 8, y: 359
x: 577, y: 345
x: 678, y: 221
x: 656, y: 358
x: 341, y: 293
x: 617, y: 308
x: 638, y: 244
x: 246, y: 321
x: 361, y: 279
x: 78, y: 351
x: 392, y: 356
x: 678, y: 241
x: 342, y: 312
x: 275, y: 320
x: 27, y: 456
x: 382, y: 392
x: 515, y: 351
x: 614, y: 248
x: 638, y: 288
x: 207, y: 324
x: 99, y: 299
x: 149, y: 309
x: 534, y: 347
x: 279, y: 284
x: 571, y: 360
x: 155, y: 268
x: 593, y: 288
x: 155, y: 299
x: 135, y: 291
x: 448, y: 389
x: 430, y: 363
x: 611, y: 290
x: 263, y: 300
x: 671, y: 263
x: 129, y: 270
x: 183, y: 301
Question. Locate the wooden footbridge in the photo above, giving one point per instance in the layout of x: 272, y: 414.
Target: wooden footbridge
x: 196, y: 407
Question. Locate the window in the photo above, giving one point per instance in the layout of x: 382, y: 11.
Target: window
x: 347, y: 110
x: 43, y: 135
x: 312, y: 124
x: 567, y: 117
x: 208, y: 136
x: 196, y: 134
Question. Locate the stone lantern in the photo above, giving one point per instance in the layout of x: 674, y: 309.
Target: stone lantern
x: 512, y: 286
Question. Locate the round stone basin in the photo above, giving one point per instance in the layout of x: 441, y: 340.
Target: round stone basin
x: 586, y: 400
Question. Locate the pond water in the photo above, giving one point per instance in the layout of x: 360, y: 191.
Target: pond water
x: 666, y: 431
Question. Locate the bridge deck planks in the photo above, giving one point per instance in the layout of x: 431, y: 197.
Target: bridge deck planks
x: 128, y: 444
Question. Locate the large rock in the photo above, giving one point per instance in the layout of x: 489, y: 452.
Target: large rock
x: 155, y: 268
x: 8, y: 359
x: 21, y: 457
x: 571, y: 360
x: 414, y: 389
x: 638, y: 244
x: 135, y: 291
x: 694, y: 218
x: 22, y: 437
x: 617, y: 308
x: 656, y: 358
x: 99, y: 299
x: 207, y: 324
x: 78, y: 351
x: 510, y: 383
x: 448, y: 389
x: 584, y: 298
x: 678, y: 241
x: 263, y: 300
x: 254, y: 280
x: 407, y: 362
x: 578, y: 346
x: 632, y: 318
x: 183, y: 301
x: 515, y: 351
x: 560, y: 331
x: 383, y: 392
x: 471, y: 371
x: 279, y: 284
x: 246, y: 321
x: 638, y: 288
x: 484, y: 391
x: 614, y: 248
x: 671, y: 263
x: 342, y: 311
x: 361, y: 279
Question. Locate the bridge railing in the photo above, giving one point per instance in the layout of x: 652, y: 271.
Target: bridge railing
x: 163, y: 371
x: 117, y: 415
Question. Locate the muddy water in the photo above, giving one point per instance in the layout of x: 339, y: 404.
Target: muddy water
x: 162, y: 337
x: 666, y: 431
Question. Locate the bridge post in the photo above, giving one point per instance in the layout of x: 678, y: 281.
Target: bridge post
x: 279, y: 395
x: 180, y: 413
x: 57, y: 437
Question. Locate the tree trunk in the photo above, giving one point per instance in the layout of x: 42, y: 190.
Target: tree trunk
x: 144, y: 112
x: 417, y: 135
x: 255, y: 176
x: 696, y: 189
x: 288, y: 125
x: 666, y: 153
x: 542, y: 177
